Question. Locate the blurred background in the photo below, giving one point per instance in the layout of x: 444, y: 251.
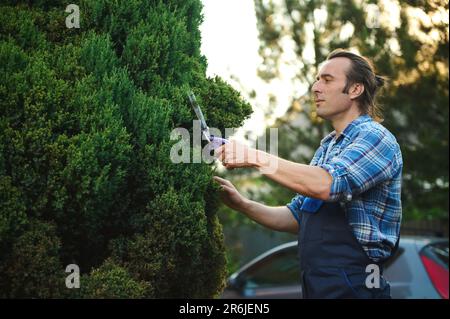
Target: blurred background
x: 270, y: 51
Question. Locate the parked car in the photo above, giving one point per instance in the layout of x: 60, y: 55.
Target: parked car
x: 418, y: 270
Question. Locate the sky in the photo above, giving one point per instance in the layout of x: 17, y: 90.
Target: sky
x: 230, y: 44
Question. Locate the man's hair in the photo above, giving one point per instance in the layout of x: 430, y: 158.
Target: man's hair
x: 362, y: 71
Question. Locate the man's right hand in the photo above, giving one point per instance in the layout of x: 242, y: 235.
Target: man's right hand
x: 230, y: 195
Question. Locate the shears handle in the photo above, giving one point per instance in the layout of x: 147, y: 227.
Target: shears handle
x: 217, y: 142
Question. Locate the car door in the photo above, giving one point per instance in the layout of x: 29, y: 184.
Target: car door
x: 275, y: 276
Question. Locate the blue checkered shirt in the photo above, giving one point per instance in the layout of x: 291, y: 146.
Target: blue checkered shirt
x: 365, y: 163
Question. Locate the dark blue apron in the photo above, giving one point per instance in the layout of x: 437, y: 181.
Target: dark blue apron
x: 332, y: 261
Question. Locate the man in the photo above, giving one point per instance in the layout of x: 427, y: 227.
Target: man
x: 347, y: 212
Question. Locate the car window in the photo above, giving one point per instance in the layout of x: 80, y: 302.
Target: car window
x: 279, y: 269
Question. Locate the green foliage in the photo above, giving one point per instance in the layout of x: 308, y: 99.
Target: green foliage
x: 85, y: 172
x: 110, y: 281
x: 31, y: 266
x: 12, y: 212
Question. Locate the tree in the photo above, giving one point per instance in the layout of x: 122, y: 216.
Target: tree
x: 409, y: 43
x: 85, y: 174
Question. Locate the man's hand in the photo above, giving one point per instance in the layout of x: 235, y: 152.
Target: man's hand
x: 230, y: 196
x: 276, y: 218
x: 236, y: 155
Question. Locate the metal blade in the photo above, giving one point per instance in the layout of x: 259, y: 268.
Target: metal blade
x: 198, y: 112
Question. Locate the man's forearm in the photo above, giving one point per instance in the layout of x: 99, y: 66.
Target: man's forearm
x: 276, y: 218
x: 311, y: 181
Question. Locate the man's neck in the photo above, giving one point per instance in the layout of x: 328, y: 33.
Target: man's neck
x: 341, y: 122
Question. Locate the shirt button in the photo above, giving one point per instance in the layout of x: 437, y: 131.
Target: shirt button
x: 348, y: 197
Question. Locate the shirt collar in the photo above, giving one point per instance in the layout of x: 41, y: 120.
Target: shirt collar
x: 347, y: 131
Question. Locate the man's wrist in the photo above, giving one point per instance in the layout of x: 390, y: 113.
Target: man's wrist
x: 246, y: 205
x: 257, y: 163
x: 262, y: 160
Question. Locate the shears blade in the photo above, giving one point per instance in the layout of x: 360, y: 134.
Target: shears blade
x: 198, y: 111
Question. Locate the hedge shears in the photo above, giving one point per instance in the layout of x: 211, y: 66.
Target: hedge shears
x: 214, y: 141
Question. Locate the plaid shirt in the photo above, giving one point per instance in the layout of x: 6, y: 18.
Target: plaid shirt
x: 366, y: 164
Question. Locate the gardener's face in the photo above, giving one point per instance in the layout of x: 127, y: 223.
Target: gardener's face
x: 328, y: 89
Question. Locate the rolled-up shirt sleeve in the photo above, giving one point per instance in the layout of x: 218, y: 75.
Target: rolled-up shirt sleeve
x: 369, y: 160
x: 294, y: 206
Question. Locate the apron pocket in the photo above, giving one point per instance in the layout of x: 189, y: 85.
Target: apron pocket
x: 356, y: 281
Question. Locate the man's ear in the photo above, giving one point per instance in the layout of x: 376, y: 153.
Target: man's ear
x: 356, y: 90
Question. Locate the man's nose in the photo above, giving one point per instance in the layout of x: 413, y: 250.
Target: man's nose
x: 315, y: 87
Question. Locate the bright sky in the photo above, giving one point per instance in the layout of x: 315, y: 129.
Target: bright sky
x: 230, y: 38
x: 230, y: 43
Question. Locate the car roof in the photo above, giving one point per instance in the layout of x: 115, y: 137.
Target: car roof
x: 420, y: 241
